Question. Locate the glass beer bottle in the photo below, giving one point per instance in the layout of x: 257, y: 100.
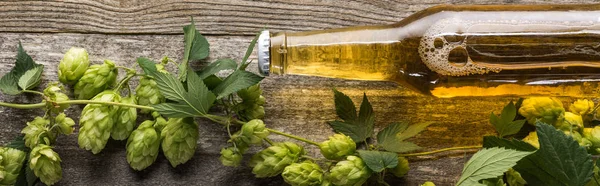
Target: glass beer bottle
x: 449, y: 51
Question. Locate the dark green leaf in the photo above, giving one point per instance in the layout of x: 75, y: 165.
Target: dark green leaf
x: 32, y: 179
x: 189, y: 32
x: 493, y: 141
x: 9, y: 82
x: 390, y: 132
x: 170, y: 87
x: 504, y: 124
x: 147, y: 65
x: 344, y: 106
x: 214, y: 67
x: 559, y: 161
x: 245, y: 62
x: 201, y: 98
x: 175, y: 110
x: 212, y: 82
x: 413, y: 130
x: 489, y: 163
x: 238, y: 80
x: 366, y: 116
x: 18, y: 143
x: 31, y: 78
x: 200, y: 47
x: 377, y: 161
x: 354, y: 131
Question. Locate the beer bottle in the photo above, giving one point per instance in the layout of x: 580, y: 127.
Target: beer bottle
x: 455, y: 50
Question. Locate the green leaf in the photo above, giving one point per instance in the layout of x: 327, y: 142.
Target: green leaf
x: 238, y: 80
x: 175, y: 110
x: 170, y: 87
x: 344, y: 107
x: 504, y: 124
x: 147, y: 65
x: 24, y: 62
x: 377, y: 161
x: 194, y: 102
x: 413, y: 130
x: 498, y: 181
x: 196, y: 48
x: 18, y: 143
x: 245, y: 62
x: 493, y: 141
x: 559, y: 161
x: 389, y: 138
x: 31, y: 78
x: 200, y: 47
x: 366, y: 116
x: 214, y: 67
x: 489, y: 163
x: 212, y: 82
x: 200, y: 96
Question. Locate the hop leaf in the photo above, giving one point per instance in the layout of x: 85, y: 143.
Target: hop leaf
x: 230, y: 156
x: 352, y: 171
x: 253, y: 132
x: 73, y: 65
x: 142, y: 146
x: 45, y: 164
x: 271, y: 161
x: 56, y: 93
x: 546, y: 109
x: 126, y: 117
x: 303, y: 174
x: 11, y: 162
x: 96, y: 122
x: 36, y: 132
x: 402, y: 168
x: 64, y: 123
x: 338, y: 146
x: 179, y: 139
x: 96, y: 79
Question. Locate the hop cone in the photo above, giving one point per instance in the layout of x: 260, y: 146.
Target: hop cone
x: 230, y: 156
x: 253, y: 132
x: 45, y: 164
x: 96, y: 122
x: 11, y: 162
x: 428, y: 183
x: 160, y: 122
x: 179, y: 139
x: 351, y: 171
x: 56, y: 93
x: 64, y: 123
x: 513, y: 178
x: 271, y: 161
x: 532, y: 139
x: 126, y: 117
x: 252, y: 103
x: 303, y: 174
x: 402, y: 167
x: 96, y: 79
x: 338, y: 146
x: 142, y: 146
x: 73, y: 65
x: 582, y: 107
x: 147, y: 91
x: 570, y: 122
x: 593, y: 136
x: 36, y: 132
x: 546, y: 109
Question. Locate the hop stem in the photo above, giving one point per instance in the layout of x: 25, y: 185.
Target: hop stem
x: 42, y: 105
x: 293, y: 137
x: 440, y: 150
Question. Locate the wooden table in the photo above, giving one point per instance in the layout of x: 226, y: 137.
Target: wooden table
x: 123, y: 30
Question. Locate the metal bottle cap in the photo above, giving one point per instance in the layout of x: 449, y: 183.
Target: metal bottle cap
x: 264, y: 60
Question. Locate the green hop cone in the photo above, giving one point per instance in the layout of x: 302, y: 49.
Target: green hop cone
x: 570, y: 122
x: 64, y: 123
x: 546, y: 109
x: 73, y: 65
x: 428, y: 183
x: 95, y: 80
x: 252, y: 103
x: 11, y: 162
x: 179, y: 139
x: 96, y: 122
x: 231, y: 157
x: 513, y: 178
x: 142, y: 146
x: 56, y: 93
x: 303, y: 174
x: 338, y: 146
x: 147, y: 91
x: 126, y: 117
x: 36, y: 132
x: 532, y: 139
x: 160, y: 123
x: 45, y: 164
x: 253, y: 132
x: 352, y: 171
x: 402, y: 168
x: 592, y: 135
x: 272, y: 160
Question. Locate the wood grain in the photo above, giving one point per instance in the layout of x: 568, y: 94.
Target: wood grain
x: 213, y: 17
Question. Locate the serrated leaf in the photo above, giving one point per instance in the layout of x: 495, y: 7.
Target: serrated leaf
x: 504, y: 124
x: 9, y: 82
x: 489, y: 163
x: 559, y: 161
x: 175, y: 110
x: 170, y: 87
x: 413, y: 130
x: 18, y: 143
x: 389, y: 133
x: 196, y: 48
x: 31, y: 78
x: 356, y: 132
x: 200, y: 47
x: 366, y: 116
x: 389, y: 139
x: 377, y: 161
x: 32, y: 179
x: 238, y: 80
x: 493, y: 141
x: 147, y: 65
x: 214, y: 67
x: 344, y: 107
x: 245, y: 62
x: 212, y: 82
x: 201, y: 98
x: 194, y: 102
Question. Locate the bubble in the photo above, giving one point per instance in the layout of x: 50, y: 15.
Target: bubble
x: 458, y: 56
x: 438, y: 43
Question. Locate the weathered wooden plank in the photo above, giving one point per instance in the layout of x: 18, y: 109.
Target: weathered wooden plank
x: 213, y: 16
x: 295, y: 104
